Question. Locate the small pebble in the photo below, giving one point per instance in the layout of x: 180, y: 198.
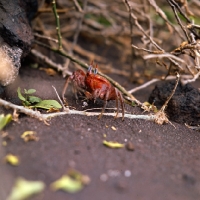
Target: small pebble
x: 113, y: 128
x: 127, y: 173
x: 113, y: 173
x: 104, y: 177
x: 85, y: 104
x: 130, y: 146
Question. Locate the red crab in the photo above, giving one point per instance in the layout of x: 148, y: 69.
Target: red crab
x: 95, y: 86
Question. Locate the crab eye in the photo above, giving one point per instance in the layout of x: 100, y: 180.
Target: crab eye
x: 89, y: 68
x: 95, y: 71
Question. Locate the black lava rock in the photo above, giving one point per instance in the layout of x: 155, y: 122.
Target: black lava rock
x: 184, y: 106
x: 15, y: 16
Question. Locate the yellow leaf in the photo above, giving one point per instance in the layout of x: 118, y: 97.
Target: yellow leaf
x: 113, y: 144
x: 24, y: 189
x: 4, y: 120
x: 12, y: 159
x: 67, y: 184
x: 73, y: 182
x: 29, y: 136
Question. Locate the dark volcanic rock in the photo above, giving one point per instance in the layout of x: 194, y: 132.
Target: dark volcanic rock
x: 14, y: 23
x: 184, y: 106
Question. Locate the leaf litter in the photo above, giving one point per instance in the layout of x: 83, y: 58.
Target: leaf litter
x: 29, y: 136
x: 12, y: 159
x: 24, y: 189
x: 72, y: 182
x: 112, y: 144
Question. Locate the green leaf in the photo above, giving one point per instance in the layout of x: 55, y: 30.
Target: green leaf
x: 113, y: 144
x: 24, y: 189
x: 47, y: 104
x: 26, y: 103
x: 4, y: 120
x: 34, y: 99
x: 133, y: 103
x: 20, y: 95
x: 67, y: 184
x: 30, y: 91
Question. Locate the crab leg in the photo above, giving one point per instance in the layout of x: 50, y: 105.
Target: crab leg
x: 122, y: 103
x: 105, y: 104
x: 64, y: 89
x: 117, y: 102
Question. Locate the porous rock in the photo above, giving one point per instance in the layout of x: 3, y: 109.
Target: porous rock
x: 14, y: 23
x: 184, y: 106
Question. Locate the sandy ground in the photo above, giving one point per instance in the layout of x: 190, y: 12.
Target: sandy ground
x: 164, y: 165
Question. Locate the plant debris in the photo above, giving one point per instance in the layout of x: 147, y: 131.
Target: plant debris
x: 12, y: 159
x: 36, y: 102
x: 24, y: 189
x: 67, y: 184
x: 149, y: 107
x: 113, y: 144
x: 29, y: 136
x: 4, y: 120
x: 73, y: 182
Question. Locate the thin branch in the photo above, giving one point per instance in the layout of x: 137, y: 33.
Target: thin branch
x: 183, y: 14
x: 163, y: 16
x: 160, y: 116
x: 78, y: 29
x: 189, y: 26
x: 149, y: 83
x: 178, y: 19
x: 79, y: 25
x: 184, y: 79
x: 78, y: 7
x: 196, y: 76
x: 132, y: 40
x: 65, y: 109
x: 147, y: 50
x: 142, y: 30
x: 165, y: 55
x: 179, y: 9
x: 172, y: 93
x: 48, y: 61
x: 46, y: 117
x: 57, y: 24
x: 45, y: 37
